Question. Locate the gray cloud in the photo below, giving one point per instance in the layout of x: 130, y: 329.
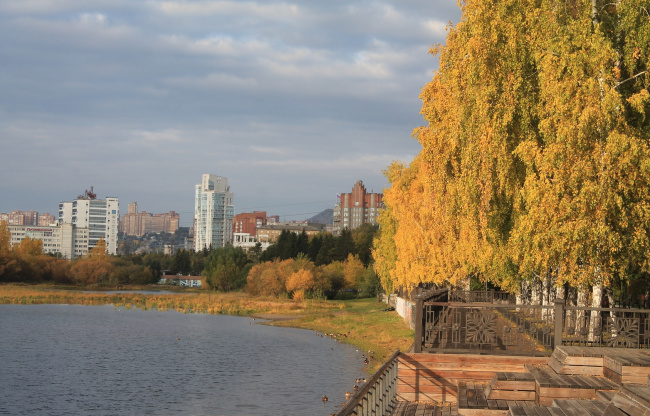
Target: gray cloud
x: 293, y: 102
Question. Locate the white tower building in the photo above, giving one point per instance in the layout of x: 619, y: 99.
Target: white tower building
x: 213, y: 212
x: 100, y: 216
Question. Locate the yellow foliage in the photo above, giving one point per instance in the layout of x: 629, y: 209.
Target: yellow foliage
x: 353, y: 271
x: 29, y: 247
x: 531, y: 160
x: 301, y: 280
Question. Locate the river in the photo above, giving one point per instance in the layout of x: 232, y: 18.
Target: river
x: 102, y: 360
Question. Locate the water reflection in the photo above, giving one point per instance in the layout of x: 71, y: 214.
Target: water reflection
x: 70, y: 359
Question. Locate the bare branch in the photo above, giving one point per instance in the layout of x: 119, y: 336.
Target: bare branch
x: 630, y: 78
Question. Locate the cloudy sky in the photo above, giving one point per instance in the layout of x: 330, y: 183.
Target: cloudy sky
x: 291, y: 101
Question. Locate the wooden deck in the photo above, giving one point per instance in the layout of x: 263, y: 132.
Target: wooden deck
x: 550, y: 385
x: 573, y: 381
x: 562, y: 408
x: 424, y: 409
x: 435, y: 377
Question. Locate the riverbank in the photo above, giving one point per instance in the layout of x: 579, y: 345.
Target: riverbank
x: 363, y: 323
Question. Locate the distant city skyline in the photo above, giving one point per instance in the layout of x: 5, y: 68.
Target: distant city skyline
x: 293, y: 102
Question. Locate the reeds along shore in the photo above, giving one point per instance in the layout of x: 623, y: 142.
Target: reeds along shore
x: 222, y: 303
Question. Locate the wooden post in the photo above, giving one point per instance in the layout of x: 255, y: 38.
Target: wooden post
x: 559, y: 321
x: 417, y: 337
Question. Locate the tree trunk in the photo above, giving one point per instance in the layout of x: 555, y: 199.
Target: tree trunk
x: 546, y: 294
x: 581, y: 302
x: 536, y: 291
x: 559, y: 294
x: 522, y: 295
x: 609, y: 293
x: 595, y: 324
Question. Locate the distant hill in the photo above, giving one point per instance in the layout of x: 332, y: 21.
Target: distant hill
x: 325, y: 217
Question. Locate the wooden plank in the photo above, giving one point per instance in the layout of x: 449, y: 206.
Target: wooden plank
x: 555, y: 411
x: 542, y: 411
x: 632, y: 401
x: 585, y: 407
x: 546, y: 377
x: 560, y: 353
x: 447, y: 374
x: 636, y: 371
x: 482, y: 412
x: 642, y: 394
x: 431, y: 357
x: 471, y: 396
x: 492, y: 404
x: 512, y: 395
x: 498, y: 360
x: 455, y: 365
x: 567, y: 393
x: 592, y: 361
x: 427, y: 389
x: 423, y: 378
x: 605, y: 396
x: 567, y: 407
x: 426, y: 397
x: 462, y: 395
x: 612, y: 375
x: 612, y: 410
x: 556, y: 364
x: 514, y: 385
x: 515, y: 410
x: 480, y: 396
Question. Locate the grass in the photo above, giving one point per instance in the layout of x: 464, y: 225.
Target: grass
x: 361, y: 322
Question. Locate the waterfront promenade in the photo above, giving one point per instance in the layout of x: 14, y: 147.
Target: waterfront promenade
x: 573, y: 381
x: 484, y: 355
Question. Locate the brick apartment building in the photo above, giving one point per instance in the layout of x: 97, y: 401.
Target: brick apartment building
x: 140, y: 223
x: 356, y: 208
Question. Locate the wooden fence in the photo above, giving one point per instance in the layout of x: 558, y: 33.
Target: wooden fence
x: 378, y: 395
x: 480, y: 321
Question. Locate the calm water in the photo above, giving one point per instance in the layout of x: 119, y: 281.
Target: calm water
x: 98, y: 360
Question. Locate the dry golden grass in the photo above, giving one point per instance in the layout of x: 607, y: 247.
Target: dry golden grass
x: 222, y: 303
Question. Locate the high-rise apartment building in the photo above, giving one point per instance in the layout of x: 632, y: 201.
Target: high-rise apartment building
x: 213, y: 212
x: 140, y: 223
x: 356, y: 208
x: 46, y: 219
x: 100, y: 216
x: 20, y: 218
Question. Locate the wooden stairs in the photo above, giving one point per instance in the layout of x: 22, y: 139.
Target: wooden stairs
x: 576, y: 381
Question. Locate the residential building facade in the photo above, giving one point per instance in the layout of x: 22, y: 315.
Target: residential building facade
x: 213, y: 212
x: 269, y: 234
x: 248, y: 222
x: 140, y: 223
x: 20, y: 217
x: 46, y: 219
x: 70, y: 241
x: 356, y: 208
x: 100, y: 216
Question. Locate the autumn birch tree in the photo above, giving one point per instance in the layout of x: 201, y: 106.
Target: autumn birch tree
x: 535, y: 160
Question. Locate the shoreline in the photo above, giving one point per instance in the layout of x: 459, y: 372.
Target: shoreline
x: 363, y: 323
x: 275, y: 317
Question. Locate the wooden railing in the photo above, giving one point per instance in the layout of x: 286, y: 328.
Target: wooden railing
x: 481, y: 322
x: 378, y: 395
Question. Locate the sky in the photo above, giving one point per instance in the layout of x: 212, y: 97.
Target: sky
x: 292, y: 101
